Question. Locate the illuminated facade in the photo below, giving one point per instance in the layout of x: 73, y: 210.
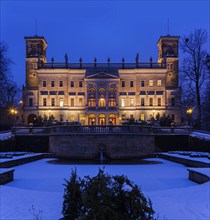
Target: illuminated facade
x: 101, y: 93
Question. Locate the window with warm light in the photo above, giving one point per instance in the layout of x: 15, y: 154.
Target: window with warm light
x: 123, y: 102
x: 142, y: 117
x: 80, y: 101
x: 159, y: 83
x: 131, y: 102
x: 71, y: 117
x: 72, y: 101
x: 61, y: 102
x: 150, y: 82
x: 102, y: 102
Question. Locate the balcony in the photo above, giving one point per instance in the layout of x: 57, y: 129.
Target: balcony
x: 102, y: 108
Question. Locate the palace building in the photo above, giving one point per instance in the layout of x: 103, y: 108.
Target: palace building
x: 101, y: 93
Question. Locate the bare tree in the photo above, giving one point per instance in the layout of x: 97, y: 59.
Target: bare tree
x: 9, y: 89
x: 194, y: 70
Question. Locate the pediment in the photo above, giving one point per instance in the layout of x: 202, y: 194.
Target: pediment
x: 102, y: 75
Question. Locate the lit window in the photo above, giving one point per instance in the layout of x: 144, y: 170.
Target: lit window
x: 34, y: 65
x: 61, y: 102
x: 169, y: 65
x: 123, y: 102
x: 80, y: 102
x: 150, y: 82
x: 142, y: 117
x: 159, y: 83
x: 71, y: 117
x: 142, y: 83
x: 123, y: 84
x: 61, y: 83
x: 44, y: 83
x: 72, y: 101
x: 131, y: 102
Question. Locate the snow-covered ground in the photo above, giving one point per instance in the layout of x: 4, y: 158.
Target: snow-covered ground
x: 40, y: 185
x: 200, y: 135
x: 5, y: 135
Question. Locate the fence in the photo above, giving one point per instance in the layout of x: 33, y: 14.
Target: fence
x: 113, y: 129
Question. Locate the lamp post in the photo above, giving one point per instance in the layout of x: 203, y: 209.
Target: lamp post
x: 14, y: 113
x: 189, y: 116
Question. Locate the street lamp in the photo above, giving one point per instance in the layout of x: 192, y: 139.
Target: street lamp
x: 189, y: 115
x: 14, y: 113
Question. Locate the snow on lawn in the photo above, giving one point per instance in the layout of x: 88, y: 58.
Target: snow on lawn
x: 40, y: 184
x: 200, y: 135
x: 5, y: 135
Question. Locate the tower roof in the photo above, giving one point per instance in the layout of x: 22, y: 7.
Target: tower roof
x: 168, y: 37
x: 35, y: 37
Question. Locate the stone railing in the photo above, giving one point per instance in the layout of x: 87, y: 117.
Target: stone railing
x: 117, y: 129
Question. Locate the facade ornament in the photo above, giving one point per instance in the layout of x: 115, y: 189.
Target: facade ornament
x: 123, y: 62
x: 137, y: 59
x: 150, y: 60
x: 80, y: 62
x: 52, y: 60
x: 66, y: 60
x: 95, y: 61
x: 108, y: 60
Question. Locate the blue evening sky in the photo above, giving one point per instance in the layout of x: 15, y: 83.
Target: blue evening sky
x: 98, y: 29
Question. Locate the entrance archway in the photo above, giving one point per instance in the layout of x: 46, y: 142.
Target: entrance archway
x: 91, y: 119
x: 101, y: 119
x: 112, y: 119
x: 32, y: 118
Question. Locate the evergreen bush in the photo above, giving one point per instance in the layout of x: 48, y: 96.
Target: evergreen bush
x: 104, y: 197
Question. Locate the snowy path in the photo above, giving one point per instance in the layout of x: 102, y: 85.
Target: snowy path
x: 41, y: 184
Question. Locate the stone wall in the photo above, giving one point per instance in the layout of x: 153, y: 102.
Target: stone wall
x: 113, y: 146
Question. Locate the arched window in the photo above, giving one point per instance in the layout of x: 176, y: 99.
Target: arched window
x: 91, y: 90
x: 102, y: 90
x: 102, y: 101
x: 112, y: 119
x: 91, y: 119
x: 102, y: 119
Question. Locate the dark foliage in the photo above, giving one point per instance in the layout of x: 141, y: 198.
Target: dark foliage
x: 104, y: 197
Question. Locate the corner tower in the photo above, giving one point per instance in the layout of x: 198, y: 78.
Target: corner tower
x: 35, y: 56
x: 168, y: 53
